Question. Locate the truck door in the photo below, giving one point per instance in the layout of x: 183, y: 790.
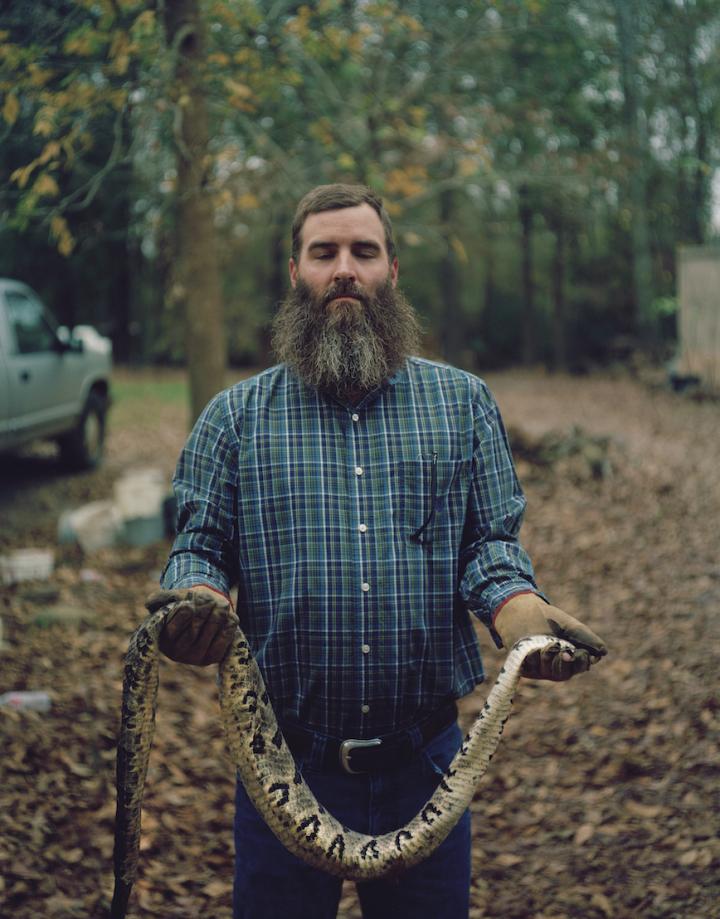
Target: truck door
x: 4, y: 392
x: 41, y: 391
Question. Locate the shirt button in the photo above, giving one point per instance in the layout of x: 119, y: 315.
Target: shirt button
x: 365, y: 586
x: 362, y: 528
x: 358, y: 470
x: 365, y: 709
x: 365, y: 649
x: 355, y: 416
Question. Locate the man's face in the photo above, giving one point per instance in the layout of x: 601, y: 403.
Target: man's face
x: 344, y: 327
x: 343, y: 249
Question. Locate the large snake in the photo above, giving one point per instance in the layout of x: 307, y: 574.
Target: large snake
x: 271, y: 778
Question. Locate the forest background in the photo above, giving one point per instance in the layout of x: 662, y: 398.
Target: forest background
x: 542, y: 161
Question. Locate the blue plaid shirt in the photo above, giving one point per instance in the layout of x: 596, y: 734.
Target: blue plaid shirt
x: 360, y: 537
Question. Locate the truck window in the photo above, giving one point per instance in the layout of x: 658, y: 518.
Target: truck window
x: 27, y: 320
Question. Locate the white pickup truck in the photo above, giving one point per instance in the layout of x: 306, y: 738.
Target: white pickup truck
x: 53, y: 383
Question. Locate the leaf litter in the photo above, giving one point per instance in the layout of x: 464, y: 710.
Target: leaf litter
x: 603, y: 798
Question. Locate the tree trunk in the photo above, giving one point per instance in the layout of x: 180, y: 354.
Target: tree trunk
x: 278, y: 277
x: 197, y: 265
x: 698, y: 206
x: 559, y: 317
x: 276, y: 284
x: 628, y: 20
x: 489, y: 295
x: 452, y: 333
x: 529, y: 350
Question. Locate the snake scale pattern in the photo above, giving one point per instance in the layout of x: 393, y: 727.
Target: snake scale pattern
x: 271, y: 778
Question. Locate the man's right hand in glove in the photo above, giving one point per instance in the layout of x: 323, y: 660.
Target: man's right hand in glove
x: 527, y: 614
x: 200, y: 626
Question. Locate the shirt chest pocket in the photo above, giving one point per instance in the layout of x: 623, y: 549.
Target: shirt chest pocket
x: 430, y: 497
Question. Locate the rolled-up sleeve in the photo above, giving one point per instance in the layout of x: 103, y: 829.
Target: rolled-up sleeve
x: 205, y: 483
x: 493, y: 564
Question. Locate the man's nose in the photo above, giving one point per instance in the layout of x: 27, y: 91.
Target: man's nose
x: 344, y: 267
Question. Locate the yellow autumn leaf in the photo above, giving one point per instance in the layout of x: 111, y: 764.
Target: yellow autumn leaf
x: 11, y: 55
x: 58, y: 225
x: 60, y: 231
x: 145, y: 23
x: 224, y: 198
x: 44, y: 122
x: 406, y: 182
x: 81, y: 44
x: 467, y: 166
x: 334, y: 37
x: 21, y: 175
x: 67, y: 144
x: 121, y: 64
x: 409, y: 23
x: 39, y: 76
x: 120, y: 53
x: 11, y: 108
x: 46, y: 185
x: 346, y: 161
x: 248, y: 202
x: 294, y: 78
x: 51, y: 151
x: 459, y: 249
x: 118, y: 98
x: 241, y: 90
x: 229, y: 17
x: 355, y: 43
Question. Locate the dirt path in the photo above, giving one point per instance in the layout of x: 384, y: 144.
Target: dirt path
x: 603, y: 799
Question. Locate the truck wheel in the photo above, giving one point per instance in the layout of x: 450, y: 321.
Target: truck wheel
x: 83, y: 448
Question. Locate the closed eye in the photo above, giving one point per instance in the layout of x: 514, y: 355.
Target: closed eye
x: 367, y: 251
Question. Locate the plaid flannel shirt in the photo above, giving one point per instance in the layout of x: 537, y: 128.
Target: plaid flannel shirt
x: 359, y: 538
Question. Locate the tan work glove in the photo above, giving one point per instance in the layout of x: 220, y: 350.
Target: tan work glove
x: 200, y: 626
x: 528, y: 614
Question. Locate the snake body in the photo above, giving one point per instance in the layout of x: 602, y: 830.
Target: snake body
x: 271, y: 778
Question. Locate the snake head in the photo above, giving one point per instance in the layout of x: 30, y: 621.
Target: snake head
x: 532, y: 643
x: 549, y: 657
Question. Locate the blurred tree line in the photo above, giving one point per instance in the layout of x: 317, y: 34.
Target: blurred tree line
x: 541, y: 160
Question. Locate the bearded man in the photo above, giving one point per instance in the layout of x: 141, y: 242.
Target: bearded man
x: 364, y: 502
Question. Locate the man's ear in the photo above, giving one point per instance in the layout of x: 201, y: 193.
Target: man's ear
x: 293, y: 270
x: 394, y: 267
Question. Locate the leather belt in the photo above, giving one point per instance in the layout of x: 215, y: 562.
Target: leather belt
x: 374, y: 754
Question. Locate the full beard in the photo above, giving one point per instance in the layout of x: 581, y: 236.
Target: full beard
x: 350, y: 347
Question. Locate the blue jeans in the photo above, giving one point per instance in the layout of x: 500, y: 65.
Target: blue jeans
x: 271, y: 883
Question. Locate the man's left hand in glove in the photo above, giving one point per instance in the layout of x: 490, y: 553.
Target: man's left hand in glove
x: 200, y: 626
x: 528, y: 614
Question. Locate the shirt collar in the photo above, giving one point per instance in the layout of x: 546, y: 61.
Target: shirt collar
x: 399, y: 375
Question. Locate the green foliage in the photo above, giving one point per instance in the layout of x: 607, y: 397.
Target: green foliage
x: 455, y: 113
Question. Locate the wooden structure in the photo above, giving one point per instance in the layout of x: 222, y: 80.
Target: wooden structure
x: 699, y: 326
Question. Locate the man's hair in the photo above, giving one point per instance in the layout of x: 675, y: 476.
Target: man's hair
x: 335, y: 197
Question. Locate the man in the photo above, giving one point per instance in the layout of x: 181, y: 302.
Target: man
x: 365, y: 502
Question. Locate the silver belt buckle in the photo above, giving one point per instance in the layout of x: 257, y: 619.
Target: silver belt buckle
x: 346, y: 748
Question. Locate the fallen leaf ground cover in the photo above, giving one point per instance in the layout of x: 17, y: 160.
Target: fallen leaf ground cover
x: 603, y: 798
